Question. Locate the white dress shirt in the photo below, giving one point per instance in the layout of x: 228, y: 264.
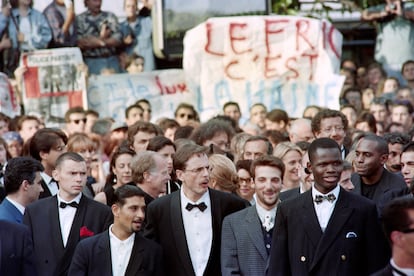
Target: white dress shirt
x: 120, y: 252
x: 266, y: 214
x: 407, y: 271
x: 198, y: 231
x: 66, y: 216
x: 325, y: 208
x: 51, y: 184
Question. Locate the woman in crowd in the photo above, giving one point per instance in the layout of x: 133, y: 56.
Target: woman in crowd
x: 291, y: 155
x: 223, y: 174
x: 83, y: 145
x: 246, y: 184
x: 120, y: 174
x: 166, y: 148
x: 14, y: 143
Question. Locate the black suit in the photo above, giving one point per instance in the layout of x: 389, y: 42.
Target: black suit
x: 165, y: 225
x: 386, y: 271
x: 93, y: 257
x: 390, y: 184
x: 352, y: 244
x: 46, y: 192
x: 291, y: 193
x: 16, y: 250
x: 42, y: 217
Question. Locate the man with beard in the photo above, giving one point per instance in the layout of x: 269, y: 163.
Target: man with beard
x: 396, y: 141
x: 247, y: 234
x: 371, y: 179
x: 121, y: 250
x: 327, y: 229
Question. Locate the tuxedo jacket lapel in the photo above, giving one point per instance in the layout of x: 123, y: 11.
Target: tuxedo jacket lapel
x: 178, y: 233
x: 74, y: 236
x: 339, y: 217
x: 310, y: 220
x: 255, y: 231
x: 46, y: 191
x: 103, y: 253
x: 135, y: 261
x: 55, y: 231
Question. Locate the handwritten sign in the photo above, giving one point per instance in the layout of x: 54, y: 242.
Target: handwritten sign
x: 282, y: 61
x: 165, y: 89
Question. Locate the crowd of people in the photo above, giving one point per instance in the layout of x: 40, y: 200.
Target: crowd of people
x: 330, y: 193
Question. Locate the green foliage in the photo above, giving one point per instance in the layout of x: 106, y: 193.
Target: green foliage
x: 320, y: 7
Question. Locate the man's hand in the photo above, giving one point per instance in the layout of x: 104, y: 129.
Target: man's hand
x: 105, y: 31
x: 128, y: 40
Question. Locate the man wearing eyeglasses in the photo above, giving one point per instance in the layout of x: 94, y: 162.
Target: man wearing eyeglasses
x: 331, y: 124
x: 75, y: 119
x: 187, y: 223
x: 398, y: 224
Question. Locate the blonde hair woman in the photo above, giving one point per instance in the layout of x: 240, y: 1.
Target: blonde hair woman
x: 291, y: 155
x: 223, y: 174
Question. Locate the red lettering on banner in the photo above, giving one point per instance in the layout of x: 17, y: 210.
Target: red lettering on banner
x: 312, y: 57
x: 227, y: 70
x: 300, y: 32
x: 233, y: 39
x: 329, y: 37
x: 269, y: 30
x: 209, y: 28
x: 173, y: 89
x: 291, y: 69
x: 270, y: 72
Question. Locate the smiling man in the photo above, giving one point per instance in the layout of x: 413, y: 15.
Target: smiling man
x: 247, y: 234
x: 326, y: 227
x: 120, y: 250
x: 187, y: 223
x: 56, y: 222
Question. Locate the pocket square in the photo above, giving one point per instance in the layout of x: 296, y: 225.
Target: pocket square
x: 351, y: 235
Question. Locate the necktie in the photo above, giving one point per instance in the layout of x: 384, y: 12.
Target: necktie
x: 268, y: 223
x: 202, y: 206
x: 73, y: 204
x: 320, y: 198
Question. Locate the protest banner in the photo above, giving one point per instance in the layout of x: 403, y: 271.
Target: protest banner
x: 165, y: 89
x: 53, y: 82
x: 283, y: 62
x: 8, y: 98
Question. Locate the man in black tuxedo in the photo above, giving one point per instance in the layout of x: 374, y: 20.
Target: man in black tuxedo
x: 327, y: 230
x: 100, y: 255
x: 16, y: 250
x: 187, y: 223
x: 46, y: 145
x: 398, y: 224
x: 58, y: 223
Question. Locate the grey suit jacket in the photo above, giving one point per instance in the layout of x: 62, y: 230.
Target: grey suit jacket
x: 243, y: 250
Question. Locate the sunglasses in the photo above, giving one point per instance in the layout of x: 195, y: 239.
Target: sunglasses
x: 77, y: 121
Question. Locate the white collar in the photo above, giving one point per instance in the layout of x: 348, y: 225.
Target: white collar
x: 76, y: 199
x: 112, y: 236
x: 407, y: 271
x: 262, y: 212
x: 47, y: 178
x: 204, y: 198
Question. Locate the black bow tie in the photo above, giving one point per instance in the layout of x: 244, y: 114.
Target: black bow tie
x: 320, y: 198
x: 202, y: 206
x: 73, y: 204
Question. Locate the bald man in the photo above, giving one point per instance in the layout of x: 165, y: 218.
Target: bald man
x: 301, y: 130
